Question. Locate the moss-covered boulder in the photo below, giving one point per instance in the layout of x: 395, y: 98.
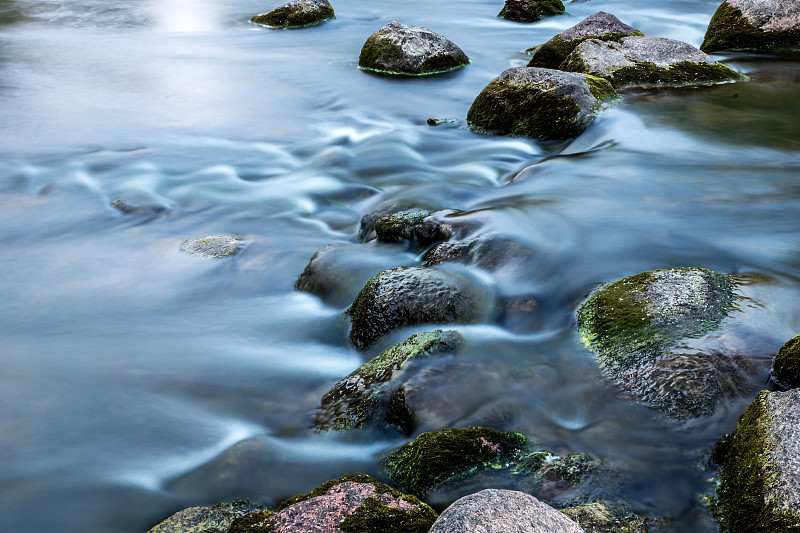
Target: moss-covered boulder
x: 369, y: 395
x: 648, y: 62
x: 438, y: 456
x: 754, y: 25
x: 410, y: 50
x: 396, y: 227
x: 759, y: 489
x: 214, y: 519
x: 531, y: 10
x: 212, y: 246
x: 785, y: 369
x: 296, y: 14
x: 502, y: 511
x: 602, y: 26
x: 366, y: 226
x: 412, y: 296
x: 639, y: 327
x: 539, y: 103
x: 351, y: 504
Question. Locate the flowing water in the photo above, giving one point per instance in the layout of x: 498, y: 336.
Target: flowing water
x: 137, y: 380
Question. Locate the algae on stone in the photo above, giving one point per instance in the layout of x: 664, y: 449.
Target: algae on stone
x: 296, y: 14
x: 399, y: 226
x: 754, y: 25
x: 214, y: 519
x: 785, y: 369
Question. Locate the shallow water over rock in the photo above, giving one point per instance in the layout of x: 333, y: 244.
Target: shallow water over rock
x: 138, y: 380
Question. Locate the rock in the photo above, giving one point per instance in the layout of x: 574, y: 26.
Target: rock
x: 785, y: 369
x: 438, y: 456
x: 607, y: 517
x: 444, y: 225
x: 216, y: 519
x: 759, y: 489
x: 531, y: 10
x: 491, y: 253
x: 411, y: 296
x: 212, y: 246
x: 336, y: 272
x: 539, y: 103
x: 367, y: 224
x: 502, y: 511
x: 639, y: 327
x: 399, y: 226
x: 410, y: 50
x: 296, y: 14
x: 367, y: 395
x: 601, y: 25
x: 647, y: 62
x: 351, y: 504
x: 754, y: 25
x: 130, y: 205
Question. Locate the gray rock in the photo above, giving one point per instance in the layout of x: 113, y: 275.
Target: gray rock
x: 410, y: 50
x: 648, y: 62
x: 603, y: 26
x: 212, y: 246
x: 411, y: 296
x: 296, y: 14
x: 539, y: 103
x: 502, y: 511
x: 759, y: 488
x: 531, y: 10
x: 216, y: 519
x: 754, y: 25
x: 399, y: 226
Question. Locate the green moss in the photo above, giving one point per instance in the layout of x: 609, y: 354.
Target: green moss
x: 437, y: 456
x: 531, y: 10
x: 399, y: 226
x: 601, y: 88
x: 746, y: 474
x: 785, y: 369
x: 289, y: 16
x: 730, y: 30
x: 552, y: 53
x: 373, y: 516
x: 378, y: 52
x: 645, y: 74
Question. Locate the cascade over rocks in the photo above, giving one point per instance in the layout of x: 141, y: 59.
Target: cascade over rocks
x: 296, y: 14
x: 648, y: 62
x: 410, y: 50
x: 754, y: 25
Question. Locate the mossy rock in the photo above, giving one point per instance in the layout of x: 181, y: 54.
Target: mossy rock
x: 214, y: 519
x: 399, y: 49
x: 366, y: 226
x: 754, y: 25
x: 413, y: 296
x: 759, y: 489
x: 603, y: 26
x: 399, y: 226
x: 354, y: 503
x: 648, y: 62
x: 296, y: 14
x: 542, y: 104
x: 608, y: 517
x: 368, y: 395
x: 212, y: 246
x: 531, y: 10
x: 785, y: 369
x: 437, y: 456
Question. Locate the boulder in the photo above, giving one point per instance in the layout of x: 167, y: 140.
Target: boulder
x: 215, y: 519
x: 759, y: 489
x: 785, y: 369
x: 350, y: 504
x: 603, y: 26
x: 412, y: 296
x: 367, y: 224
x: 296, y: 14
x: 647, y: 62
x: 640, y: 328
x: 501, y: 511
x: 754, y: 25
x: 539, y: 103
x: 531, y: 10
x: 410, y: 50
x: 399, y: 226
x: 212, y: 246
x: 368, y: 396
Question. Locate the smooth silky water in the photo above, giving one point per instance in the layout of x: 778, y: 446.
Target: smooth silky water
x: 137, y: 380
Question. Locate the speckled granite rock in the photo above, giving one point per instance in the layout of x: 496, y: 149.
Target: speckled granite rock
x: 296, y: 14
x: 754, y: 25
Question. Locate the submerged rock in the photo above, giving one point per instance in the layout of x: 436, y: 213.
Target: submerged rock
x: 410, y: 50
x: 351, y: 504
x: 638, y: 327
x: 212, y: 246
x: 531, y: 10
x: 608, y: 517
x: 445, y: 225
x: 490, y: 253
x: 754, y: 25
x: 648, y: 62
x: 502, y: 511
x: 215, y: 519
x: 369, y: 394
x: 785, y: 369
x: 399, y: 226
x: 411, y: 296
x: 759, y: 490
x: 296, y: 14
x: 539, y: 103
x: 603, y: 26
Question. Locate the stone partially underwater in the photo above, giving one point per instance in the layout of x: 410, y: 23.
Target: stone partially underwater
x: 754, y: 25
x: 296, y: 14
